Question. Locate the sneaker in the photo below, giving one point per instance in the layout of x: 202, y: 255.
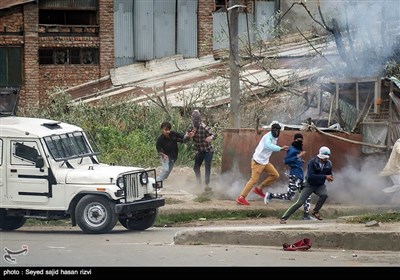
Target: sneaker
x: 282, y: 221
x: 259, y: 192
x: 208, y: 189
x: 267, y: 198
x: 242, y: 201
x: 309, y: 218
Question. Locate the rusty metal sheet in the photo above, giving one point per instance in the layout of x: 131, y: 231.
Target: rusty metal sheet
x: 239, y: 145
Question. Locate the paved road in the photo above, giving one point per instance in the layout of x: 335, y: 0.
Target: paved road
x: 61, y: 247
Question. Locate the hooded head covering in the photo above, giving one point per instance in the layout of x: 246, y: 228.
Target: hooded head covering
x: 298, y: 141
x: 275, y: 130
x: 196, y: 118
x: 324, y: 152
x: 298, y: 136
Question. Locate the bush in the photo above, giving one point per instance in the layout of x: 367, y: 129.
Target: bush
x: 124, y: 133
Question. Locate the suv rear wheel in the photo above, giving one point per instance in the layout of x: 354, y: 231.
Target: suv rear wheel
x: 8, y: 223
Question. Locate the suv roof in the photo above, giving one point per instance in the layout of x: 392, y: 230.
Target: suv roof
x: 27, y: 127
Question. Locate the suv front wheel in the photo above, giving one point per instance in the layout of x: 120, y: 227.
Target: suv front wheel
x: 95, y: 214
x: 139, y: 221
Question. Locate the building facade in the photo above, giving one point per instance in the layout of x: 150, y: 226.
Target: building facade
x: 64, y: 43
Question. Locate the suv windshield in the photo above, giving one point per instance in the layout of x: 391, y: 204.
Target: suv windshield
x: 68, y: 146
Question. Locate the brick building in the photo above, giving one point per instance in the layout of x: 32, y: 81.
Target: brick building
x: 65, y: 43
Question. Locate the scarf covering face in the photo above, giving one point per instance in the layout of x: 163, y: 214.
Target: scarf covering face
x: 275, y: 130
x: 298, y: 141
x: 298, y: 145
x: 196, y: 118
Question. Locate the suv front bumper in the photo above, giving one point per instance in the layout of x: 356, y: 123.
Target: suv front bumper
x: 139, y: 205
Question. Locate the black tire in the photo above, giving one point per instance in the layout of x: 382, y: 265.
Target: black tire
x: 141, y: 221
x: 95, y: 214
x: 8, y: 223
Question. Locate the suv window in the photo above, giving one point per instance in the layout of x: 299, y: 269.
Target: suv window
x: 68, y: 146
x: 24, y: 152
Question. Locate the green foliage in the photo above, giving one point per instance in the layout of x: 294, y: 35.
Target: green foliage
x: 124, y: 133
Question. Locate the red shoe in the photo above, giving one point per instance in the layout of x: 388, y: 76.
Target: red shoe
x: 242, y: 201
x: 258, y: 192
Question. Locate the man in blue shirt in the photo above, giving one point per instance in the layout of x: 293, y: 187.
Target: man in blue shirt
x: 295, y: 161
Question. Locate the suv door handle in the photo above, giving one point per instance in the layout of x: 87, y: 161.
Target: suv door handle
x: 13, y: 170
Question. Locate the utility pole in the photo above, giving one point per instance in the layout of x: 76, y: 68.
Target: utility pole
x: 233, y: 25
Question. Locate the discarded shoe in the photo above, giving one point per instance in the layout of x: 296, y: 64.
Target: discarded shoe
x: 267, y: 198
x: 242, y: 201
x: 317, y: 215
x: 259, y: 192
x: 301, y: 245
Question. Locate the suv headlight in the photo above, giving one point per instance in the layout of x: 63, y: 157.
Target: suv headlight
x: 144, y: 178
x: 120, y: 183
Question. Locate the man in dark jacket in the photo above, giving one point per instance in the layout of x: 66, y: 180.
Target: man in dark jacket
x: 319, y: 170
x: 167, y: 148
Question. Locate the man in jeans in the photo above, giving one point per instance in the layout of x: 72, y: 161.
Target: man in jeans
x: 319, y: 170
x: 294, y: 159
x: 167, y: 148
x: 202, y: 136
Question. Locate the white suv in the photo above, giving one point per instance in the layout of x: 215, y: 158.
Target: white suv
x: 48, y: 171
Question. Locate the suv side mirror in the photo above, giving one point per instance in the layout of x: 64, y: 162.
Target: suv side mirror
x: 39, y: 162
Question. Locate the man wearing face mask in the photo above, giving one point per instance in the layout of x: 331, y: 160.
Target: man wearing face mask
x: 319, y: 170
x: 294, y: 159
x: 260, y: 163
x: 202, y: 136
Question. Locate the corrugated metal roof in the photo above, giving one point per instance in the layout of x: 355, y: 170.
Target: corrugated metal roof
x: 4, y: 4
x: 195, y: 79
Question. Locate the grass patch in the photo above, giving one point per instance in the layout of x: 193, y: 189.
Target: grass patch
x: 171, y: 200
x: 176, y: 219
x: 182, y: 217
x: 37, y: 222
x: 185, y: 217
x: 204, y: 197
x: 392, y: 217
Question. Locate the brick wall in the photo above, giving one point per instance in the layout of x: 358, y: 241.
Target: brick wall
x: 12, y: 20
x: 205, y: 27
x: 106, y: 22
x: 39, y: 79
x: 31, y: 96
